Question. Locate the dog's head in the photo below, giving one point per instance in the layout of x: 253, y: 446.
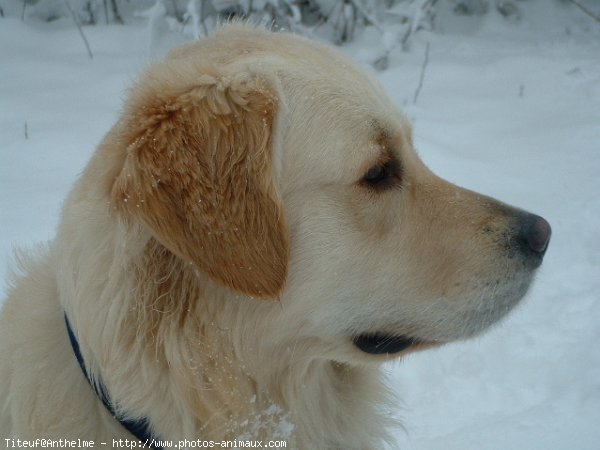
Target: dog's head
x: 282, y: 171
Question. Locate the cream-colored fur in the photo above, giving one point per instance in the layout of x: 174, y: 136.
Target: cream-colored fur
x: 221, y: 251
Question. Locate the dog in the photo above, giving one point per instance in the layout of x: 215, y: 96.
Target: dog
x: 252, y: 239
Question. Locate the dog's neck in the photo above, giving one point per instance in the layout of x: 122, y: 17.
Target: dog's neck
x: 183, y: 337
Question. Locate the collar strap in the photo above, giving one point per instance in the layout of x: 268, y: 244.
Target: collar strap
x: 139, y: 428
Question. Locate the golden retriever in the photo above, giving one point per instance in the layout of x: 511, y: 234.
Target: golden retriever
x: 249, y: 243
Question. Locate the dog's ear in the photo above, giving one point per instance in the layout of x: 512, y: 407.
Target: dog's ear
x: 198, y: 172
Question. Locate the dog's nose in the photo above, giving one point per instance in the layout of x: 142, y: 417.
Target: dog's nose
x: 533, y: 235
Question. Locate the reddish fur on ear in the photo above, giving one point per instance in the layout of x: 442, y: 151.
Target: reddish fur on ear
x: 198, y: 173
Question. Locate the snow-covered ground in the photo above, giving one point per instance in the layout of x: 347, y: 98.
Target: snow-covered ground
x: 511, y: 109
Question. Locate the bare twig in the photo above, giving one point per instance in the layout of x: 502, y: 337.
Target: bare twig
x: 360, y: 8
x: 26, y: 132
x: 422, y: 77
x: 325, y: 18
x: 424, y: 8
x: 585, y: 10
x: 350, y: 27
x: 176, y: 12
x: 115, y: 10
x: 85, y: 41
x: 203, y: 14
x: 336, y: 22
x: 105, y: 3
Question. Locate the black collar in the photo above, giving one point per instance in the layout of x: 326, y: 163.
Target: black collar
x: 139, y: 428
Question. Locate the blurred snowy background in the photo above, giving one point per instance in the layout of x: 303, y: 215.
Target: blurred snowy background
x: 505, y: 99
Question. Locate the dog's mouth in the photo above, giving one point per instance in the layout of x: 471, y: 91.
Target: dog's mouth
x: 383, y: 343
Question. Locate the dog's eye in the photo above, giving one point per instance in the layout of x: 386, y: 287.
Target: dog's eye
x: 383, y: 175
